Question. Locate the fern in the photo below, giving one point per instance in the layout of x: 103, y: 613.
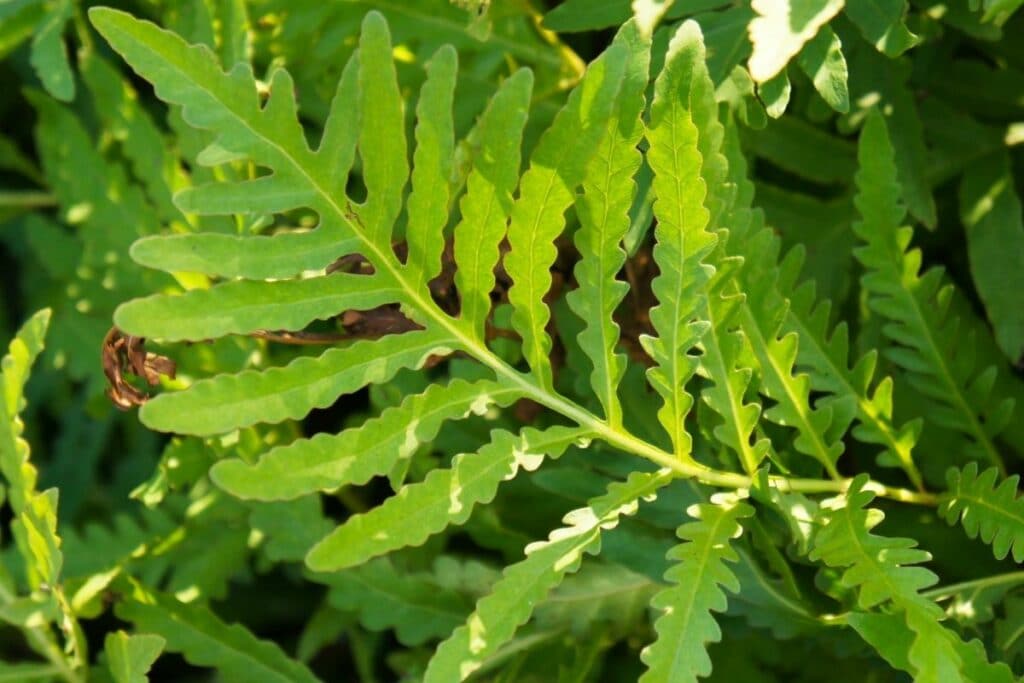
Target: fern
x: 682, y: 238
x: 205, y: 640
x: 917, y: 308
x: 527, y: 582
x: 882, y: 570
x: 445, y: 497
x: 686, y: 625
x: 983, y: 508
x: 603, y: 210
x: 34, y: 526
x: 309, y: 465
x: 469, y: 254
x: 130, y: 657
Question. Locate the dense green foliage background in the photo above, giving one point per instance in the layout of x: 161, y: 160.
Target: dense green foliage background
x: 832, y: 361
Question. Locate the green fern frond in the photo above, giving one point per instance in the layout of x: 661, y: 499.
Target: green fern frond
x: 14, y: 372
x: 764, y: 278
x: 226, y: 402
x: 681, y: 233
x: 603, y: 210
x: 883, y: 571
x: 687, y: 625
x: 204, y: 640
x: 994, y: 512
x: 352, y: 457
x: 546, y: 190
x: 444, y: 498
x: 487, y: 203
x: 130, y: 658
x: 827, y: 357
x: 938, y: 358
x: 525, y: 584
x: 414, y: 605
x: 724, y: 359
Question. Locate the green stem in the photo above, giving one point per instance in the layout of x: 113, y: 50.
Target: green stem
x: 27, y: 200
x: 977, y: 584
x: 42, y: 642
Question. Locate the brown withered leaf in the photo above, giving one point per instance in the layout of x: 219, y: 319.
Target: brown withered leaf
x: 124, y: 355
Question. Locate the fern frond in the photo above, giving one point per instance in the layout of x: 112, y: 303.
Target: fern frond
x: 129, y: 658
x: 49, y: 56
x: 888, y: 634
x: 257, y: 257
x: 432, y: 167
x: 546, y: 190
x: 413, y: 604
x: 994, y: 512
x: 603, y: 210
x: 764, y: 279
x: 917, y: 307
x: 827, y: 356
x: 444, y: 498
x: 723, y: 360
x: 326, y: 462
x: 204, y: 640
x: 681, y: 233
x: 226, y: 402
x: 244, y: 306
x: 487, y: 203
x: 15, y: 367
x: 525, y: 584
x: 687, y: 625
x: 882, y: 570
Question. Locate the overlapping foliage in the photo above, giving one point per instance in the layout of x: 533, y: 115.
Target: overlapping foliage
x: 478, y: 359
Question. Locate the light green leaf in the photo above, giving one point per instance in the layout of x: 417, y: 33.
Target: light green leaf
x: 341, y: 131
x: 432, y: 167
x: 49, y: 55
x: 231, y: 256
x: 603, y: 210
x: 270, y: 136
x: 242, y: 307
x: 682, y: 238
x: 823, y: 61
x: 993, y: 219
x: 204, y: 640
x: 687, y: 625
x: 227, y: 402
x: 382, y: 144
x: 445, y: 497
x: 780, y: 30
x: 329, y: 461
x: 546, y: 190
x: 14, y: 371
x: 488, y: 200
x: 525, y: 584
x: 130, y: 657
x: 775, y: 94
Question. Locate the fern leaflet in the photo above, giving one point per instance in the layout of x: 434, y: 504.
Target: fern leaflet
x: 445, y: 497
x: 525, y: 584
x: 687, y: 625
x: 983, y: 508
